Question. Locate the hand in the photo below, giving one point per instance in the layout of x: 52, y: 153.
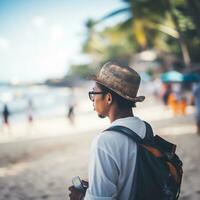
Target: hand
x: 85, y: 183
x: 75, y: 194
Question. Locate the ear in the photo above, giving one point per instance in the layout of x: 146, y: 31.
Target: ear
x: 109, y: 98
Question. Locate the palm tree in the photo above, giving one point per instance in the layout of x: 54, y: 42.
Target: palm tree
x: 93, y: 42
x: 149, y: 15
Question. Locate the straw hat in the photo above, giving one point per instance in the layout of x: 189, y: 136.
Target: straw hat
x: 123, y: 80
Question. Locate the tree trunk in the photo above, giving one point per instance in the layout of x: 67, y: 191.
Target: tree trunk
x: 181, y: 39
x: 194, y: 8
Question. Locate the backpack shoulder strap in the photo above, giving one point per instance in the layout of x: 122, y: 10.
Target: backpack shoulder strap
x: 130, y: 133
x: 126, y: 131
x: 149, y: 132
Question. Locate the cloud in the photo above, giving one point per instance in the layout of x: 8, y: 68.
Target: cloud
x: 38, y: 21
x: 4, y: 44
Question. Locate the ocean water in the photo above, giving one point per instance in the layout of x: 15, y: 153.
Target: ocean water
x: 46, y: 101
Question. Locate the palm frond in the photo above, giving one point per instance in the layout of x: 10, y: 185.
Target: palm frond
x: 115, y: 13
x: 126, y: 24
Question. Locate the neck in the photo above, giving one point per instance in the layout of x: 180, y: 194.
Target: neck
x: 117, y: 113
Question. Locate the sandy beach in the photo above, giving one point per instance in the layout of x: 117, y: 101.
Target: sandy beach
x: 37, y: 162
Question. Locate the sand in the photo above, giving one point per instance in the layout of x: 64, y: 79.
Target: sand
x: 38, y: 161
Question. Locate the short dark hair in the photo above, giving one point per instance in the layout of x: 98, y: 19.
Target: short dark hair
x: 121, y: 101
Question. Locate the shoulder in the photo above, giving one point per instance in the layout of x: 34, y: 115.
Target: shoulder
x: 112, y: 143
x: 106, y: 138
x: 134, y: 123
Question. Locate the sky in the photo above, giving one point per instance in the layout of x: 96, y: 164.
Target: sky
x: 40, y: 39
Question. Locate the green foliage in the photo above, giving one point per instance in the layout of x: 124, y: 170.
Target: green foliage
x: 116, y: 53
x: 165, y: 25
x: 81, y: 70
x: 194, y: 46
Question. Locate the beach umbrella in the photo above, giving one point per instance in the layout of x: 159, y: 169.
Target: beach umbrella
x: 145, y: 77
x: 172, y: 76
x: 191, y: 77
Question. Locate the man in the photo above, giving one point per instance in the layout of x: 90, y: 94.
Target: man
x: 113, y: 155
x: 5, y: 114
x: 196, y: 96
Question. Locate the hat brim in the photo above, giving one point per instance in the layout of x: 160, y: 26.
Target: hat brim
x: 98, y: 80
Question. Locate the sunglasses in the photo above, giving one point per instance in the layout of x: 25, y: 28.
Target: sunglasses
x: 92, y: 94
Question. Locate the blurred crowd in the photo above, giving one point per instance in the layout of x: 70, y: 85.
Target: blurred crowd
x: 177, y: 96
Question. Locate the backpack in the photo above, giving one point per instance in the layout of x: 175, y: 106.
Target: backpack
x: 158, y: 170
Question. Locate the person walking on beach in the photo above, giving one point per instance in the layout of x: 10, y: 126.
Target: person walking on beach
x: 5, y: 115
x: 30, y: 111
x: 113, y: 156
x: 196, y: 97
x: 71, y: 106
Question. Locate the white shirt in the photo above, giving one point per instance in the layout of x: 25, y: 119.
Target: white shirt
x: 112, y: 162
